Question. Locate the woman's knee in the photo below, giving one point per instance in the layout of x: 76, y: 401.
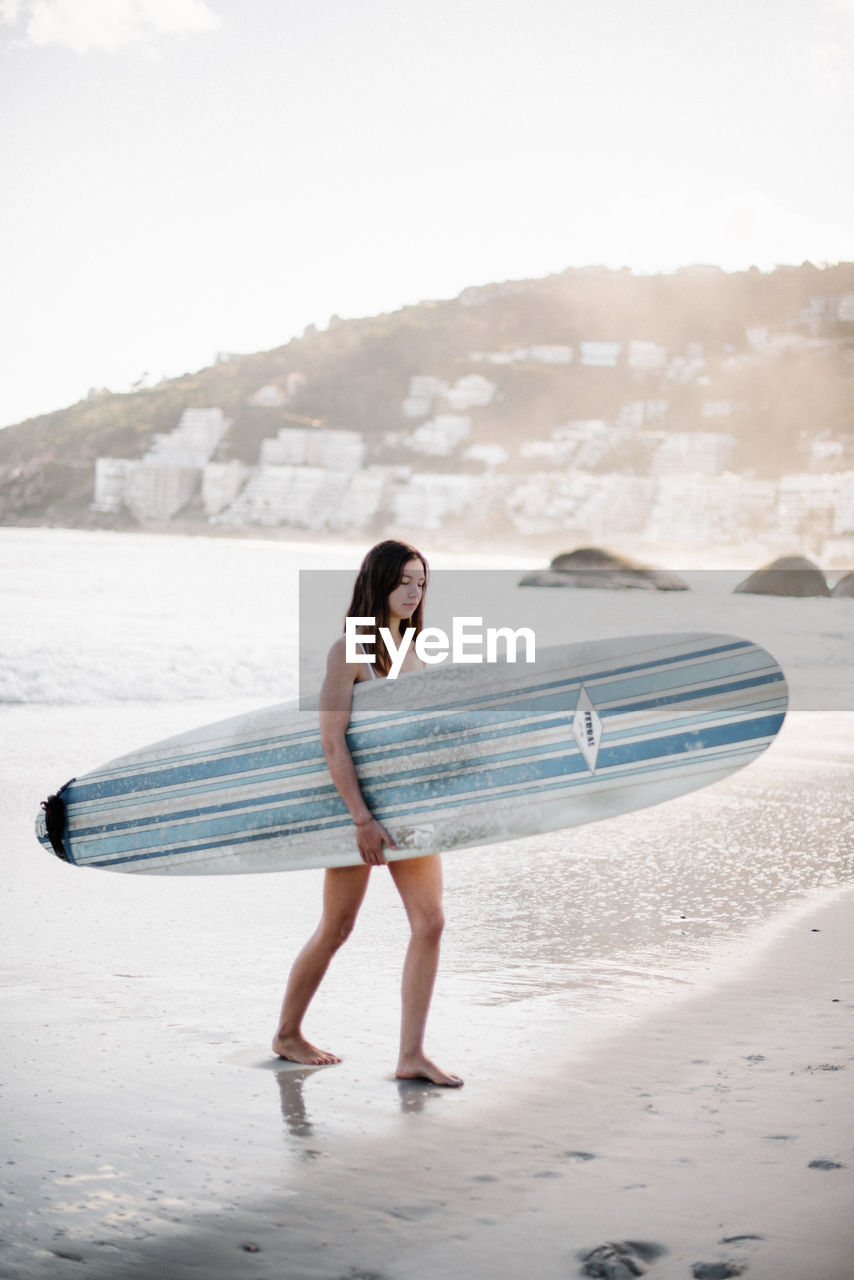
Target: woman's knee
x: 428, y: 925
x: 335, y: 932
x: 343, y: 892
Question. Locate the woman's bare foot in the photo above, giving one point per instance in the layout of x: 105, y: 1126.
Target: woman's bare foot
x: 298, y: 1049
x: 421, y: 1068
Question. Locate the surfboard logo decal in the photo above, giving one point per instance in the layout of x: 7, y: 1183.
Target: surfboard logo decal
x: 587, y: 728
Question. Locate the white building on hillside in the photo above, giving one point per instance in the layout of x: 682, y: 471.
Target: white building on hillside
x: 441, y: 435
x: 495, y: 357
x: 111, y: 482
x: 314, y: 498
x: 807, y: 501
x: 600, y: 355
x: 156, y: 486
x: 221, y: 483
x: 547, y: 500
x: 301, y: 497
x: 157, y: 493
x: 648, y: 357
x: 337, y: 450
x: 193, y: 441
x: 615, y: 505
x: 268, y: 397
x: 490, y: 454
x: 639, y: 413
x: 770, y: 345
x: 843, y: 520
x: 423, y: 390
x: 550, y: 353
x: 580, y: 444
x: 428, y: 499
x: 702, y: 510
x: 470, y: 392
x: 813, y: 315
x: 366, y: 496
x: 687, y: 367
x: 845, y: 309
x: 632, y: 415
x: 717, y: 409
x: 692, y: 453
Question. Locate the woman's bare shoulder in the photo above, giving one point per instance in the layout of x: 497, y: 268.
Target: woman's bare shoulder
x: 338, y: 650
x: 336, y: 692
x: 337, y: 665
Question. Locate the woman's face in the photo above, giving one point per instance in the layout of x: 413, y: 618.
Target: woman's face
x: 404, y: 600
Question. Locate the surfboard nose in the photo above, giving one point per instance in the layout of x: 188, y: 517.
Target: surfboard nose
x: 51, y: 822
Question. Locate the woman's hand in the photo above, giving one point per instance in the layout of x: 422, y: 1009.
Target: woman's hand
x: 370, y: 837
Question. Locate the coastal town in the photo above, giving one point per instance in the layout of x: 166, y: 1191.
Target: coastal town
x: 636, y: 475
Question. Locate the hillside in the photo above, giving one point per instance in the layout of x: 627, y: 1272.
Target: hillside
x: 767, y: 358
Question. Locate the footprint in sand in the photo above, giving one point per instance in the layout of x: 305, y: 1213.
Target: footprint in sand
x: 620, y: 1260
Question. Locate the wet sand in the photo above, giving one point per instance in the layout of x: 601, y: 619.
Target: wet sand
x: 717, y: 1131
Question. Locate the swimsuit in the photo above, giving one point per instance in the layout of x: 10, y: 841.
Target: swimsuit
x: 374, y: 675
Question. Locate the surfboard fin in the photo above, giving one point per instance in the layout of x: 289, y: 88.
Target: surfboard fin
x: 54, y: 820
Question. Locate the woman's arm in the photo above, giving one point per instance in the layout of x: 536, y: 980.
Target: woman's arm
x: 336, y: 701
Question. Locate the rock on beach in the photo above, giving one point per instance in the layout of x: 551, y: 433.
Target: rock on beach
x: 596, y: 567
x: 787, y: 576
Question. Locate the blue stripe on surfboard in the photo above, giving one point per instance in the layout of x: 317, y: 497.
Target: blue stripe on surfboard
x: 543, y: 743
x: 527, y: 751
x: 675, y: 660
x: 386, y: 785
x: 544, y: 728
x: 708, y: 761
x: 360, y: 742
x: 275, y: 758
x: 490, y: 780
x: 389, y: 737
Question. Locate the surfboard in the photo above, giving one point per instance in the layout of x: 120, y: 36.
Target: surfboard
x: 457, y: 756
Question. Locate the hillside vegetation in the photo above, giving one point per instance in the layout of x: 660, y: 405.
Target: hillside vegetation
x: 356, y: 375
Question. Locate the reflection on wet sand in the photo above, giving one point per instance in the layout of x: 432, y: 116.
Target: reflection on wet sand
x: 415, y: 1094
x: 290, y: 1081
x: 414, y: 1097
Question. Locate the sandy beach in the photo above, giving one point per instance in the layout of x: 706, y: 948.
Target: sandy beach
x: 712, y: 1139
x: 707, y: 1139
x: 653, y: 1014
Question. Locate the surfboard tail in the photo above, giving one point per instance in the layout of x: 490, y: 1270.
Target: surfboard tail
x: 51, y: 823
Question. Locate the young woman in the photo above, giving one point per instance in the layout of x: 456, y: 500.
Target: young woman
x: 389, y: 588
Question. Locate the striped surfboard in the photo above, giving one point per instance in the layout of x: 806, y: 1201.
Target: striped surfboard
x: 456, y: 756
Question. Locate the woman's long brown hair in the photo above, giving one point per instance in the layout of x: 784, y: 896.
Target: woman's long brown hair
x: 379, y: 573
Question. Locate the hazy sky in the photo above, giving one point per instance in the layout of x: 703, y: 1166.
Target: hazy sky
x: 181, y: 177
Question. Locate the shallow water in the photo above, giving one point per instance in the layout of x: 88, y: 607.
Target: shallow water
x: 106, y: 617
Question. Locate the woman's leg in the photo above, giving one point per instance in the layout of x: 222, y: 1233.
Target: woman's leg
x: 343, y: 891
x: 419, y: 883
